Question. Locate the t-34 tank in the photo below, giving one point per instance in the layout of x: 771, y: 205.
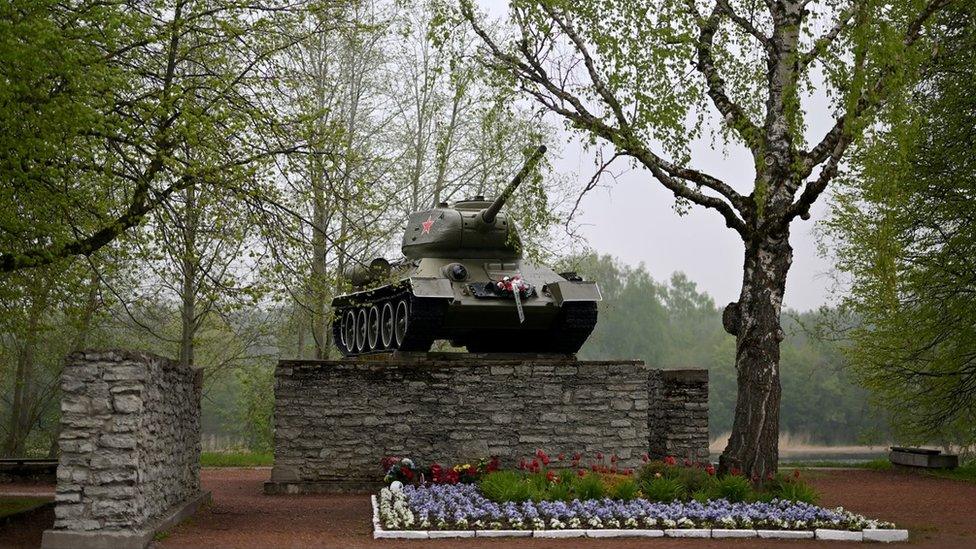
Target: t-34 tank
x: 463, y: 279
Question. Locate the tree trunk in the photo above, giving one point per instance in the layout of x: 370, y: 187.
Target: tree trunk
x: 753, y: 446
x: 20, y: 424
x: 319, y: 279
x: 188, y: 308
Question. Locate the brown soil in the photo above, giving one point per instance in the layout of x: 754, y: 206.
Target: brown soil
x: 937, y: 512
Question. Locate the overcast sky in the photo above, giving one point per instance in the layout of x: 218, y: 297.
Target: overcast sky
x: 633, y: 217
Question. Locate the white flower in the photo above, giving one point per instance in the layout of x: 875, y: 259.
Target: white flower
x: 396, y: 486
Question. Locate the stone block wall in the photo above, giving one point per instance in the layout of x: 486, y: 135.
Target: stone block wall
x: 678, y: 423
x: 335, y: 420
x: 130, y: 440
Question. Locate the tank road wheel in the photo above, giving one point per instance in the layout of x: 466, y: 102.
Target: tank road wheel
x: 361, y: 330
x: 373, y: 328
x: 338, y: 334
x: 349, y: 331
x: 426, y: 315
x: 386, y: 325
x: 401, y: 322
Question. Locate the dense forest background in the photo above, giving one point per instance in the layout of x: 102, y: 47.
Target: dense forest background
x: 669, y: 324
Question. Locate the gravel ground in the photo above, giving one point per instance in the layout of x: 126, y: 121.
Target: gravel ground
x: 938, y: 513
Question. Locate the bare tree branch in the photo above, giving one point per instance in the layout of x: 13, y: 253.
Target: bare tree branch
x: 833, y: 145
x: 557, y: 99
x: 731, y: 112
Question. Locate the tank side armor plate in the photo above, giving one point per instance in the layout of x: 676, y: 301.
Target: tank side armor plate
x: 431, y: 287
x: 564, y: 292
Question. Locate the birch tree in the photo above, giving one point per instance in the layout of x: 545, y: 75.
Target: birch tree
x: 647, y: 76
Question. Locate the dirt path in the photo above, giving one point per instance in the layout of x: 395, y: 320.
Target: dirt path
x: 939, y: 513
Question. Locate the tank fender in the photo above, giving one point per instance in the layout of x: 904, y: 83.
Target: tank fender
x: 431, y: 287
x: 567, y: 291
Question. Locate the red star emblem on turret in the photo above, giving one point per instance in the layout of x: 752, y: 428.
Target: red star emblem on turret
x: 427, y: 225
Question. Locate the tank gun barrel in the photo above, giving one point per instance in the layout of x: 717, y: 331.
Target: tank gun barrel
x: 489, y: 213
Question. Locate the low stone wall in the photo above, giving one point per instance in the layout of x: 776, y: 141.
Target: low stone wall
x: 335, y: 420
x: 130, y: 448
x: 678, y: 422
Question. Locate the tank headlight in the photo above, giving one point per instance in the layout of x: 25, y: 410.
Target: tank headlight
x: 456, y: 272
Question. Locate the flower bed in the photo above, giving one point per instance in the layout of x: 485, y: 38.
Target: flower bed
x: 662, y: 498
x: 463, y: 507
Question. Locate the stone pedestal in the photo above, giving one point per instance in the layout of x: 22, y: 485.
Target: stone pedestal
x: 130, y: 449
x: 335, y: 420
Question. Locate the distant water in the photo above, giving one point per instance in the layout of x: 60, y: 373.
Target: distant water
x: 826, y: 455
x: 843, y: 457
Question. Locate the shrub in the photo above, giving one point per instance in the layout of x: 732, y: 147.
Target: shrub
x: 693, y: 479
x: 791, y: 488
x: 733, y: 488
x: 625, y: 489
x: 663, y: 489
x: 589, y: 486
x: 560, y: 491
x: 502, y: 486
x: 656, y: 469
x: 701, y: 496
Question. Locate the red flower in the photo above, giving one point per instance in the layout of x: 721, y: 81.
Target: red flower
x: 599, y: 455
x: 646, y: 457
x: 581, y: 472
x: 669, y: 460
x: 593, y: 467
x: 561, y: 457
x: 613, y: 458
x: 494, y: 464
x: 628, y: 472
x: 687, y: 462
x: 407, y: 473
x: 435, y: 473
x: 736, y: 471
x: 796, y: 473
x: 521, y: 464
x: 550, y: 476
x: 577, y: 456
x: 709, y: 469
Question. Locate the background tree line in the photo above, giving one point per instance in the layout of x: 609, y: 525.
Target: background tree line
x: 190, y: 176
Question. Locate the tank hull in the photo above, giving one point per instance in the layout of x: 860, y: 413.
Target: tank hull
x: 422, y: 304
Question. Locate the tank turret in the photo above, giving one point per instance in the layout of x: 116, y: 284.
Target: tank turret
x: 463, y: 280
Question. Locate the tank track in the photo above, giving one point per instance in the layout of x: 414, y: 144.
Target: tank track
x: 568, y: 333
x: 425, y: 317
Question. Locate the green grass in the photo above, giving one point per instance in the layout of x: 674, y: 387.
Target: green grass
x: 965, y: 473
x: 236, y: 459
x: 15, y: 504
x: 880, y: 464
